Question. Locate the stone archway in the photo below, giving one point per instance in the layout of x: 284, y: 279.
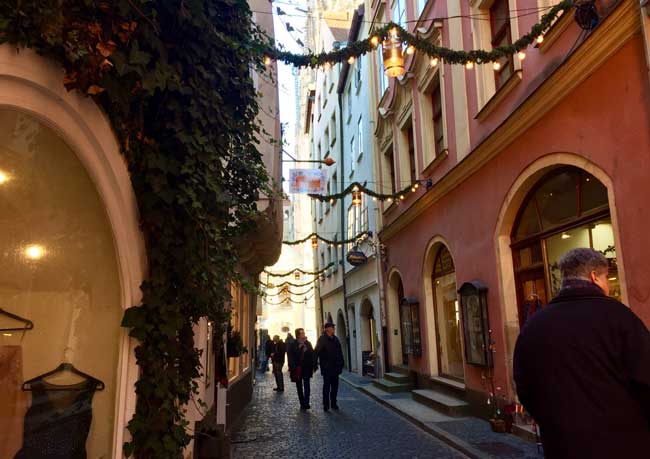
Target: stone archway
x: 342, y: 334
x: 508, y: 215
x: 394, y: 293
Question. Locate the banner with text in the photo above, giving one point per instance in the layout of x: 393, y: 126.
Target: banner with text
x: 310, y: 181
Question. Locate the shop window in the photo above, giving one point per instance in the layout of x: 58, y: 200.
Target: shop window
x: 389, y: 163
x: 438, y: 128
x: 567, y: 209
x: 59, y: 272
x: 501, y: 36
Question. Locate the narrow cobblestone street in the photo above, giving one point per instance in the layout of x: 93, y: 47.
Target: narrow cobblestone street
x: 274, y: 427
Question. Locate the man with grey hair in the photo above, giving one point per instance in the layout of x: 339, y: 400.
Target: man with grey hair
x: 582, y: 368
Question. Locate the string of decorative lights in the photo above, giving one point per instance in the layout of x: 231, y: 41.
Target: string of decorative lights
x: 286, y: 290
x: 357, y: 189
x: 393, y: 37
x: 314, y: 237
x: 286, y: 283
x: 288, y: 301
x: 305, y: 273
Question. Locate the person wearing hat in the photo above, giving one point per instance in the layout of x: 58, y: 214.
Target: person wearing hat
x: 329, y: 354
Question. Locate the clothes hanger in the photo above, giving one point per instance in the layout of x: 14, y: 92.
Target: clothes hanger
x: 28, y: 323
x: 65, y: 367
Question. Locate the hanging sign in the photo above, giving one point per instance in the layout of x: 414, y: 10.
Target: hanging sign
x: 310, y: 181
x: 356, y: 258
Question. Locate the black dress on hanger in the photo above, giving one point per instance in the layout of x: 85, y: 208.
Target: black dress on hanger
x: 57, y: 433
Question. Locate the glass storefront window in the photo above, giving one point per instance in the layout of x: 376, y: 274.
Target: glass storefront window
x: 59, y: 271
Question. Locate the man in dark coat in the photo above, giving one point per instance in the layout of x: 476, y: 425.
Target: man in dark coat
x: 330, y: 357
x: 277, y: 357
x: 582, y: 368
x: 268, y: 350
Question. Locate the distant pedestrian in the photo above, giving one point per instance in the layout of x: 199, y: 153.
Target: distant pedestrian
x: 289, y: 340
x: 302, y: 361
x: 268, y: 350
x: 277, y: 357
x: 330, y: 358
x: 582, y: 368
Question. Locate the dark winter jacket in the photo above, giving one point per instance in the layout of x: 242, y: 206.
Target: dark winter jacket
x: 330, y: 355
x: 279, y: 350
x: 582, y: 370
x: 268, y: 348
x: 304, y: 358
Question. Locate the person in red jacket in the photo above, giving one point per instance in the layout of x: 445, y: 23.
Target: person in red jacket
x: 582, y: 368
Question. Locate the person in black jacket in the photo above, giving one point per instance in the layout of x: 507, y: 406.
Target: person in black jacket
x: 268, y: 350
x: 277, y: 357
x: 302, y: 361
x: 330, y: 357
x: 582, y: 368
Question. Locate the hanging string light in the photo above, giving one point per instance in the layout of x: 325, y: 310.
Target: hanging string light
x: 314, y: 238
x: 391, y: 51
x: 356, y: 197
x: 314, y: 241
x: 357, y: 187
x: 299, y: 271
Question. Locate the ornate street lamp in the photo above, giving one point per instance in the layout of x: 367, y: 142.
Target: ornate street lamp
x: 314, y: 241
x: 393, y: 55
x: 356, y: 197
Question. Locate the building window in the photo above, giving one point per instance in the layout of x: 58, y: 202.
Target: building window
x: 390, y: 167
x: 410, y: 144
x: 336, y: 255
x: 349, y: 103
x: 501, y: 36
x: 568, y: 208
x: 332, y: 129
x: 350, y: 226
x: 335, y: 187
x: 357, y: 73
x: 359, y: 139
x: 421, y: 4
x: 438, y: 128
x: 327, y: 139
x: 399, y: 13
x: 329, y: 191
x: 382, y: 78
x: 353, y: 160
x: 322, y: 261
x: 329, y: 260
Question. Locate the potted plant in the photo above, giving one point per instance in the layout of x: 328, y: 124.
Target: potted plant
x: 235, y: 344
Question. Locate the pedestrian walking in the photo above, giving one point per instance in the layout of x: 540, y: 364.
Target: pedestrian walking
x: 582, y: 368
x: 268, y: 350
x: 302, y: 361
x: 277, y: 357
x: 330, y: 358
x: 289, y: 340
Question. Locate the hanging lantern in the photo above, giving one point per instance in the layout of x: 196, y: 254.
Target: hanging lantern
x: 393, y: 56
x: 356, y: 197
x: 296, y: 275
x: 314, y: 241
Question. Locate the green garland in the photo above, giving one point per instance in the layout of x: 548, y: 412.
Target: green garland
x: 288, y: 301
x: 174, y: 79
x: 450, y: 56
x: 356, y: 186
x: 282, y: 291
x: 363, y: 234
x: 282, y: 285
x: 306, y: 273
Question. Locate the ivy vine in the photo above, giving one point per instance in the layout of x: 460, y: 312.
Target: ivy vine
x: 174, y: 78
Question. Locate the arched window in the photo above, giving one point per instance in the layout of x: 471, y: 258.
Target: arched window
x: 568, y: 208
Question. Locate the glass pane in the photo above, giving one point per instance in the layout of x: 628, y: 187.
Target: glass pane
x: 557, y: 198
x: 448, y: 320
x: 59, y: 270
x: 602, y: 235
x: 529, y: 256
x: 444, y: 263
x: 559, y: 244
x: 528, y: 222
x: 593, y: 194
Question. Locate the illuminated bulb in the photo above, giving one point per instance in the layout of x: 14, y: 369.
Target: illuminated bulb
x: 389, y: 200
x: 469, y: 65
x: 374, y: 198
x: 393, y: 31
x: 413, y: 189
x: 6, y: 334
x: 416, y: 186
x: 4, y: 178
x: 521, y: 55
x: 34, y: 252
x: 434, y: 62
x: 332, y: 201
x: 351, y: 60
x: 540, y: 39
x: 326, y: 66
x: 565, y: 236
x: 611, y: 278
x: 496, y: 65
x: 356, y: 188
x: 374, y: 40
x: 401, y: 196
x: 410, y: 49
x: 267, y: 60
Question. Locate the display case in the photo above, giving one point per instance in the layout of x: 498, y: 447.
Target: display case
x: 410, y: 324
x: 476, y: 324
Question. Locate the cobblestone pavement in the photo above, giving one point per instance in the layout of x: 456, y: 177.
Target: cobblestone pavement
x: 274, y: 427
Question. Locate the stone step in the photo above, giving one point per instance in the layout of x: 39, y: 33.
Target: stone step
x: 444, y: 403
x: 399, y: 378
x: 390, y: 386
x: 403, y: 369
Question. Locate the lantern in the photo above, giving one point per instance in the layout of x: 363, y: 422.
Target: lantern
x: 393, y: 56
x: 314, y: 241
x: 296, y: 275
x: 356, y: 197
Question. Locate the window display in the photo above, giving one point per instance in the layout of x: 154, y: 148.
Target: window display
x: 59, y: 299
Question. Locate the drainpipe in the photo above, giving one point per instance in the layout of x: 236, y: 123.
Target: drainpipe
x: 345, y: 293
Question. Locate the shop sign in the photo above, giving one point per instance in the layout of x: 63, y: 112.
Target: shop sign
x: 356, y: 258
x: 311, y: 181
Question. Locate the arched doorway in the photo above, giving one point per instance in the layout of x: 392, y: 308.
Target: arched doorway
x: 447, y: 316
x: 369, y: 338
x: 395, y: 294
x: 60, y: 271
x: 567, y: 208
x: 342, y: 334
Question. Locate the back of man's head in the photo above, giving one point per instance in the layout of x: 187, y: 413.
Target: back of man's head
x: 580, y: 263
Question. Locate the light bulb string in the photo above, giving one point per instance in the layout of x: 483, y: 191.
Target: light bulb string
x: 361, y: 235
x: 450, y: 56
x: 358, y: 187
x: 305, y: 273
x: 286, y: 290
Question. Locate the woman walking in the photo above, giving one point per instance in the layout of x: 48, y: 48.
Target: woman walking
x: 301, y: 366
